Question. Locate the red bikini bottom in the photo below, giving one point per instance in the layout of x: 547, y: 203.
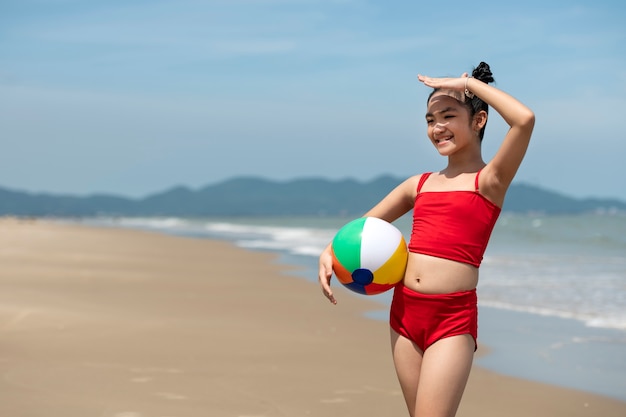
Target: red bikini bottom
x: 427, y: 318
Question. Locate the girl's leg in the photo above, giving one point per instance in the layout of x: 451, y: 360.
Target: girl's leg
x: 407, y: 358
x: 444, y: 371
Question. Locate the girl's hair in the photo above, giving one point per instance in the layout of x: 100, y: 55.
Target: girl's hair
x: 483, y: 73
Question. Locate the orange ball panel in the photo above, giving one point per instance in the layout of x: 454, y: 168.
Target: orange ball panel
x: 343, y: 275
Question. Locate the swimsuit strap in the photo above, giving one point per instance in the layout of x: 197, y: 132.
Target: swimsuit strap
x: 425, y: 176
x: 423, y: 179
x: 476, y: 182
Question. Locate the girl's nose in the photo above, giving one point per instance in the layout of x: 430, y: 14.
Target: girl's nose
x: 439, y: 127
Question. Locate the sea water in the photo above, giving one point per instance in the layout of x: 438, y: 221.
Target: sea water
x: 552, y: 289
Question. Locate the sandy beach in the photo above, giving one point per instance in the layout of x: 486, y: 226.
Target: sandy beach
x: 102, y: 322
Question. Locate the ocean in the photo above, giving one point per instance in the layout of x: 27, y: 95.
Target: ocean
x: 552, y: 289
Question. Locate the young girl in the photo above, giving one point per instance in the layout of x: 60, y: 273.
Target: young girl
x: 433, y: 315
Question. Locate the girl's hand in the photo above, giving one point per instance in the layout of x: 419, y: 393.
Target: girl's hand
x: 326, y: 273
x: 457, y: 84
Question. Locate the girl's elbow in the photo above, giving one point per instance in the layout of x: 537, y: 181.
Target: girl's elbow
x: 525, y: 121
x: 528, y: 119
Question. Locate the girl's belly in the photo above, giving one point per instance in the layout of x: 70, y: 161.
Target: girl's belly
x: 432, y: 275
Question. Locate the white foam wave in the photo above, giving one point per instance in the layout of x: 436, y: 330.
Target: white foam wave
x: 156, y: 223
x: 617, y: 321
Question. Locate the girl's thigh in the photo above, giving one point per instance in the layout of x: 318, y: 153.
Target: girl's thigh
x: 407, y: 359
x: 444, y: 372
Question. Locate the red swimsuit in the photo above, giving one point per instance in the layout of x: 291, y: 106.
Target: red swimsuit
x: 454, y: 225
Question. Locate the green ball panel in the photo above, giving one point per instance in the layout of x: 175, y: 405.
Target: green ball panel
x: 347, y: 244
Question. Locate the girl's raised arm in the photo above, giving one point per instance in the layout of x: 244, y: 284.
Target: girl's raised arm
x: 521, y: 120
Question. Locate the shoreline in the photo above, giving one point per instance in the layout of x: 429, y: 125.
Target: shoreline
x: 103, y: 321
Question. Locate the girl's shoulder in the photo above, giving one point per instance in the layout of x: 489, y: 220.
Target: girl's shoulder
x: 411, y: 185
x: 413, y: 182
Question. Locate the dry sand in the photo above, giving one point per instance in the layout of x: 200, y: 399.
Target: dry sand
x: 121, y: 323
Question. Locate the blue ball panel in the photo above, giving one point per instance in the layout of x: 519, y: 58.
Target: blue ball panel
x: 363, y: 276
x: 356, y: 287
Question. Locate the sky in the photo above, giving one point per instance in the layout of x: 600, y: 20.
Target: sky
x: 133, y: 97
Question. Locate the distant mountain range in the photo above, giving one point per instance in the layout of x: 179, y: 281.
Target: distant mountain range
x: 251, y: 196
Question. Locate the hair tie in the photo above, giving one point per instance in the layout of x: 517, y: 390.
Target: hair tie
x: 467, y: 92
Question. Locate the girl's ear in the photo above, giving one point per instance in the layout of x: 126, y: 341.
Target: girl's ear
x: 480, y: 120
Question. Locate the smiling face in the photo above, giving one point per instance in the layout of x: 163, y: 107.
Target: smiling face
x: 448, y: 122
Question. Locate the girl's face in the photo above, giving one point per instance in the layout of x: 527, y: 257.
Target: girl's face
x: 448, y: 122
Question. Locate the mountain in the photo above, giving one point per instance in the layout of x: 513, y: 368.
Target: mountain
x: 253, y: 196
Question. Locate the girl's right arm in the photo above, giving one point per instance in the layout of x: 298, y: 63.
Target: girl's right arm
x: 397, y: 203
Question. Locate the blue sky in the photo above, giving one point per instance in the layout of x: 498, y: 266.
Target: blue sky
x: 133, y: 97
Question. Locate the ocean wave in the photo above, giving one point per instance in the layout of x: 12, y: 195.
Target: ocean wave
x: 617, y: 321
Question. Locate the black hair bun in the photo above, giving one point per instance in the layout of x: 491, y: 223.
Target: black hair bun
x: 483, y: 73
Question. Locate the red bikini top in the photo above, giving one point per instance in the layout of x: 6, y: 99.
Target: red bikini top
x: 453, y: 225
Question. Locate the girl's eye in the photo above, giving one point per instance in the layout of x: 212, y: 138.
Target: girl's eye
x: 448, y: 117
x: 429, y: 121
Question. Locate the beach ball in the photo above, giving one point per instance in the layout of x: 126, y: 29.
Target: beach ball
x: 369, y: 255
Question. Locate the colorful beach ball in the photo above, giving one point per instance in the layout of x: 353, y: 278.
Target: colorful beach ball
x: 369, y: 255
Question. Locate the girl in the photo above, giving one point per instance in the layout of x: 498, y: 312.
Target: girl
x: 433, y: 315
